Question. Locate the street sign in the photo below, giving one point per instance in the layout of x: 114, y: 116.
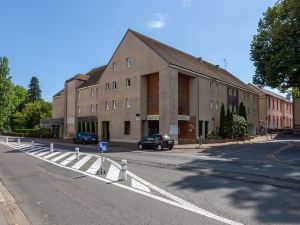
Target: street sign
x: 103, y: 146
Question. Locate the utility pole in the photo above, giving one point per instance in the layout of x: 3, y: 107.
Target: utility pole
x: 225, y: 63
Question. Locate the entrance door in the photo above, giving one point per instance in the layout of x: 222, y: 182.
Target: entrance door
x: 105, y: 130
x: 200, y: 133
x: 55, y: 131
x: 153, y: 127
x: 206, y: 128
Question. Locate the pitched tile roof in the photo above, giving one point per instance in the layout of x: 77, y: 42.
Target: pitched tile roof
x: 186, y: 61
x: 59, y: 93
x: 93, y: 77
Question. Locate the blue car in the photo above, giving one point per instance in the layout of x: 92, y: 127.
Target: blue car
x: 85, y: 138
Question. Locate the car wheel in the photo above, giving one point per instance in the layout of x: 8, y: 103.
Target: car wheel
x: 140, y: 146
x: 170, y: 148
x: 159, y: 147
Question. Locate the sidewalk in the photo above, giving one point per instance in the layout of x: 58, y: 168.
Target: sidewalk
x: 258, y: 139
x: 10, y: 213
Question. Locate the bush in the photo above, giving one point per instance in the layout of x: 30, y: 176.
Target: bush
x: 42, y: 132
x: 239, y: 126
x: 212, y: 135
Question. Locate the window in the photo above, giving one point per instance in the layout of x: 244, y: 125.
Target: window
x: 277, y: 104
x: 273, y: 104
x: 114, y: 104
x: 114, y: 84
x: 211, y: 86
x: 269, y: 99
x: 92, y: 109
x: 92, y: 92
x: 107, y: 86
x: 127, y: 127
x: 244, y: 95
x: 128, y: 62
x: 97, y: 91
x: 217, y: 88
x: 78, y: 109
x: 128, y: 82
x: 248, y: 111
x: 217, y: 105
x: 254, y: 112
x: 107, y: 105
x: 127, y: 103
x: 253, y: 98
x: 211, y: 105
x: 97, y: 108
x: 115, y: 66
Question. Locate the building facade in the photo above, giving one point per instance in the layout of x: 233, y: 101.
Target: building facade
x: 275, y: 111
x: 149, y: 87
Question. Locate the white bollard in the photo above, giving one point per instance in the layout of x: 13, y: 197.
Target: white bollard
x: 19, y: 142
x: 51, y: 147
x: 32, y: 144
x: 123, y: 170
x: 77, y: 153
x: 6, y: 139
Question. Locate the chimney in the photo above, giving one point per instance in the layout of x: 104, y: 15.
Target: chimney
x: 218, y: 67
x: 199, y: 59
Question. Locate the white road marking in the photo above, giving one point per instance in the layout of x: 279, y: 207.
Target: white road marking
x: 140, y: 186
x: 51, y: 155
x: 95, y: 166
x: 68, y: 160
x: 189, y: 207
x: 113, y: 173
x: 81, y: 162
x: 42, y: 150
x: 60, y: 156
x: 45, y: 152
x: 34, y: 149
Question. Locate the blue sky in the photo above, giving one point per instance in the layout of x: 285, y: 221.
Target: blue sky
x: 56, y: 39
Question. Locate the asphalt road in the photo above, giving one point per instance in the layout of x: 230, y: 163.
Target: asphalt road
x: 246, y: 183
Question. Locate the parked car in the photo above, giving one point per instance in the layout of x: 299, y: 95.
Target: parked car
x: 85, y: 138
x: 156, y: 141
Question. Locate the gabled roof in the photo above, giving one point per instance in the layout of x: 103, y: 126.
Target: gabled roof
x: 186, y: 61
x: 93, y: 77
x: 59, y: 93
x: 264, y: 91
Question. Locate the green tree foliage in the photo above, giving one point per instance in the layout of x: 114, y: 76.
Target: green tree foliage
x: 20, y: 97
x: 6, y: 94
x: 239, y: 126
x: 222, y: 122
x: 275, y: 50
x: 242, y: 111
x: 34, y: 91
x: 32, y: 113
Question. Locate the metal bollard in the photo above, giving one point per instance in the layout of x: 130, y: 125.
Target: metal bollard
x: 6, y: 139
x: 123, y: 170
x: 19, y: 142
x: 51, y: 147
x: 32, y: 144
x: 77, y: 153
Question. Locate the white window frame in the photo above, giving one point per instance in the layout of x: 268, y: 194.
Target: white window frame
x: 92, y: 109
x: 114, y: 85
x: 217, y: 106
x: 114, y: 104
x: 92, y: 92
x: 217, y: 88
x: 114, y: 66
x: 128, y: 83
x: 107, y: 86
x: 78, y: 109
x: 128, y: 62
x: 107, y: 105
x: 128, y: 103
x: 211, y: 86
x: 211, y: 105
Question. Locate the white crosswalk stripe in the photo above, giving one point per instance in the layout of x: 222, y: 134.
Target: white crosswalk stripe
x: 95, y: 166
x: 45, y: 152
x: 68, y: 160
x: 113, y: 173
x: 140, y: 186
x: 51, y: 155
x: 35, y: 149
x: 60, y: 156
x: 81, y: 162
x: 39, y: 151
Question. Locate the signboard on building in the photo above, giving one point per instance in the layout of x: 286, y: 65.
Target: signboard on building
x: 152, y: 117
x: 183, y: 117
x: 173, y: 129
x: 70, y: 120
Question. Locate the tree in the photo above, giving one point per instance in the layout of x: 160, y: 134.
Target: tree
x: 6, y: 94
x: 242, y: 111
x: 229, y: 120
x: 275, y: 50
x: 34, y: 91
x: 239, y: 126
x: 222, y: 122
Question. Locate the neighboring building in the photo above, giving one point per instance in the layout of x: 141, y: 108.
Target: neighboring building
x: 275, y: 111
x: 149, y: 87
x: 296, y: 115
x: 75, y: 108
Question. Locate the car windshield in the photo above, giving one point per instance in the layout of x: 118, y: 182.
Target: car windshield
x: 167, y: 137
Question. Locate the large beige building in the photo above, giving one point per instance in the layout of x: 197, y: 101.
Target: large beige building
x: 149, y: 87
x: 275, y: 111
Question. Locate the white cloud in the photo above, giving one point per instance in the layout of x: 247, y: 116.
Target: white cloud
x: 158, y: 22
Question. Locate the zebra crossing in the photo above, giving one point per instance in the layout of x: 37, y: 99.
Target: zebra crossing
x: 89, y: 165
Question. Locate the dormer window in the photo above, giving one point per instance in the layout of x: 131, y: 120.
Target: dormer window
x: 114, y: 66
x: 128, y: 62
